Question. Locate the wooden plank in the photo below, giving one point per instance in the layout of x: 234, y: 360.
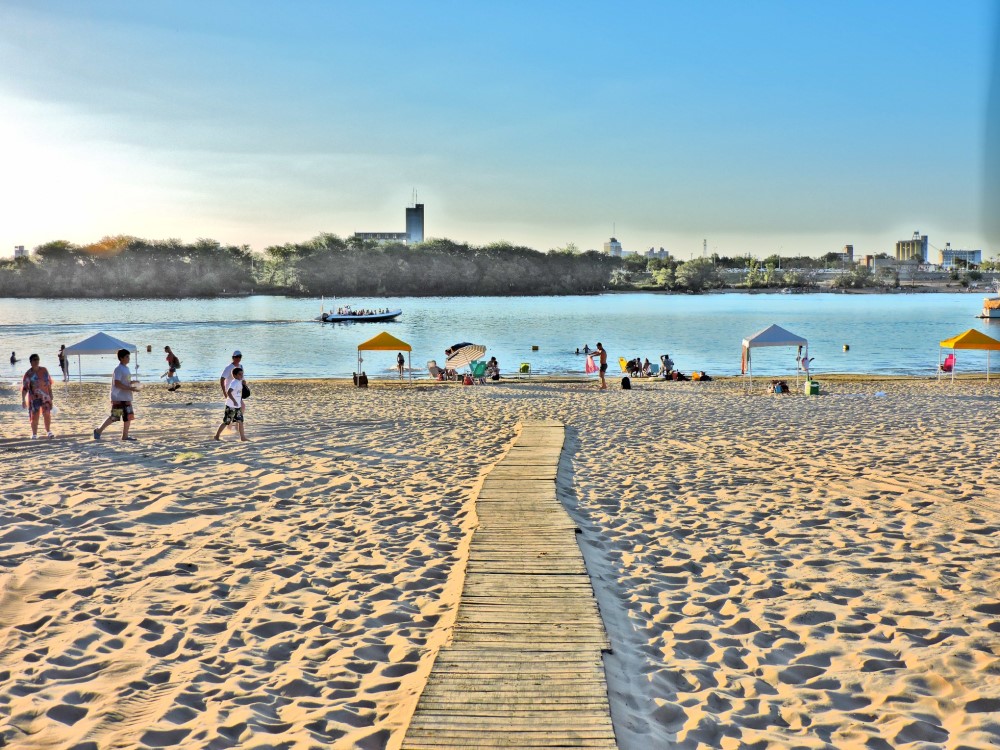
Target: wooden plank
x: 524, y: 667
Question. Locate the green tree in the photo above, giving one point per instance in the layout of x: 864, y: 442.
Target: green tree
x: 697, y: 275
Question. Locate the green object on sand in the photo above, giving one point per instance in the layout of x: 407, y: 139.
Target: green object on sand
x: 185, y: 456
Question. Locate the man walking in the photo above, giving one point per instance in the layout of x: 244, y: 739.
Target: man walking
x: 227, y: 377
x: 121, y: 397
x: 604, y: 365
x: 36, y: 396
x: 399, y: 364
x: 234, y: 405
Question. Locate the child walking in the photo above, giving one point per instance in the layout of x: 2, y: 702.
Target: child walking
x: 234, y: 402
x: 173, y: 365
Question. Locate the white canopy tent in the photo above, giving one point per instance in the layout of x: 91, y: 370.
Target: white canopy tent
x: 99, y: 343
x: 771, y: 336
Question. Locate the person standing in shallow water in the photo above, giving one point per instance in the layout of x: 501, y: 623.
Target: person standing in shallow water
x: 36, y: 396
x: 604, y: 364
x: 399, y: 364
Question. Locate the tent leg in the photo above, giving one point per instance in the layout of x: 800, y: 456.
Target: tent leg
x: 409, y: 365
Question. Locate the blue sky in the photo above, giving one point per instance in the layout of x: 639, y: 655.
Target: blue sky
x: 762, y: 126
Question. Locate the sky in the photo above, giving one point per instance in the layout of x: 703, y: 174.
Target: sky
x: 772, y: 126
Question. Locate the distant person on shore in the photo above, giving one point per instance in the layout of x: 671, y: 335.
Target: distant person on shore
x: 804, y: 361
x: 400, y: 361
x: 36, y: 396
x: 667, y: 365
x: 121, y: 397
x: 173, y: 365
x: 64, y: 363
x: 604, y: 364
x: 227, y: 376
x: 234, y: 405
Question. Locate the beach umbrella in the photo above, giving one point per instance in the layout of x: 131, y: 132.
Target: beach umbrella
x: 463, y: 355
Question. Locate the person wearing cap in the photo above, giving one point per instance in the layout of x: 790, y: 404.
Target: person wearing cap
x: 227, y: 375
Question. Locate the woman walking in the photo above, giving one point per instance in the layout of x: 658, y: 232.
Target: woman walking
x: 36, y: 396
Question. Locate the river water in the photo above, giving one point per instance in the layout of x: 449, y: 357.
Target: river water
x: 888, y: 334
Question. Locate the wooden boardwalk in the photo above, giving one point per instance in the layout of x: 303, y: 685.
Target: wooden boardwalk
x: 524, y: 667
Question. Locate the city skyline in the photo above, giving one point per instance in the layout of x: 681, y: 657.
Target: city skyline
x: 774, y: 128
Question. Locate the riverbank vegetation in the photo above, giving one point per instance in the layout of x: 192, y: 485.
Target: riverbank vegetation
x: 124, y: 266
x: 134, y: 267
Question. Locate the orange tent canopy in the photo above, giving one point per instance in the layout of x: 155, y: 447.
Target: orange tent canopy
x: 972, y: 339
x: 386, y: 342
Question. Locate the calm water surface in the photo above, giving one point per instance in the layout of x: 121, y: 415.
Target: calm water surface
x: 895, y: 333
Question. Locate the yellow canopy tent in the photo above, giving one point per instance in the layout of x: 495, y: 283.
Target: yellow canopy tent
x: 385, y: 342
x: 971, y: 339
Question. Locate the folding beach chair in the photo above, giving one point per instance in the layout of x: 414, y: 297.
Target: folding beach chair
x: 478, y: 371
x: 623, y: 363
x: 524, y: 371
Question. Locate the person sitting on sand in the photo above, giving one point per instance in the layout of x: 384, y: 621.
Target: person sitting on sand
x: 647, y: 368
x: 667, y: 365
x: 234, y: 405
x: 493, y: 369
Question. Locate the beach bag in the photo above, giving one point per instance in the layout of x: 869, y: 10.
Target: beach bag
x: 590, y: 368
x: 246, y: 391
x: 174, y: 362
x: 626, y: 383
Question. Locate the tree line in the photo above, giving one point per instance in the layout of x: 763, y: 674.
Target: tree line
x: 124, y: 266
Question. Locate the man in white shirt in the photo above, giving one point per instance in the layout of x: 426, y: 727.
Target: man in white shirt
x: 227, y: 374
x: 121, y: 397
x: 234, y: 405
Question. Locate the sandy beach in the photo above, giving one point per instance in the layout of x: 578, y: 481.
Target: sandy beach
x: 772, y: 571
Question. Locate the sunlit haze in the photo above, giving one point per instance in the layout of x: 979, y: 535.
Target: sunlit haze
x: 762, y: 127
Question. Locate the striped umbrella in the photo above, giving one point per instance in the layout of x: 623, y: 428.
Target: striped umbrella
x: 464, y: 355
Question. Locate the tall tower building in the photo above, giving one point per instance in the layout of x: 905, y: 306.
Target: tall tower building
x: 415, y: 223
x: 913, y: 249
x: 613, y: 247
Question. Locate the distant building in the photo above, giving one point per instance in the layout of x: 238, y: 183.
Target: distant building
x: 846, y: 256
x: 955, y: 258
x: 913, y: 249
x: 414, y: 229
x: 20, y: 252
x: 613, y: 247
x: 415, y: 223
x: 654, y: 253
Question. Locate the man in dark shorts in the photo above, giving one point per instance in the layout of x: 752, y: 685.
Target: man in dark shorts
x: 121, y: 397
x: 604, y: 364
x: 234, y: 405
